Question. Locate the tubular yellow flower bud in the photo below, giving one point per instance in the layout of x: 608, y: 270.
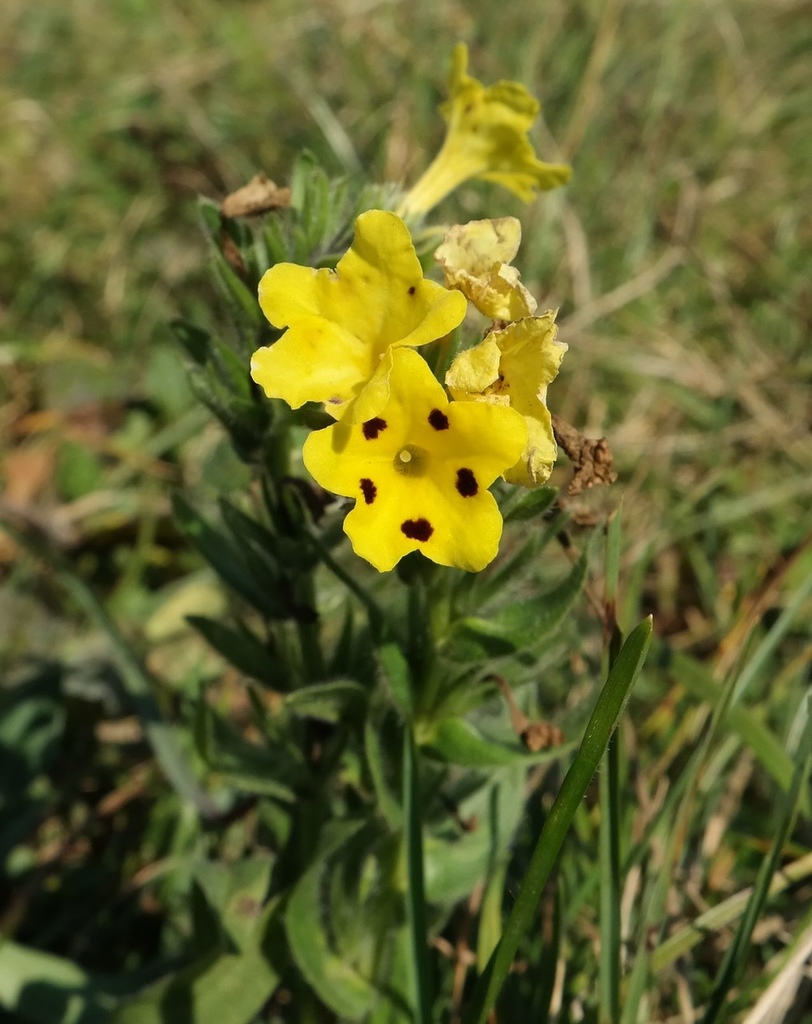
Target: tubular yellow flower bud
x: 486, y: 138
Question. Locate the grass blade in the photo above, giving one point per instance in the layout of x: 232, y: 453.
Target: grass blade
x: 601, y: 725
x: 610, y: 868
x: 609, y: 966
x: 415, y: 888
x: 725, y: 913
x: 733, y: 962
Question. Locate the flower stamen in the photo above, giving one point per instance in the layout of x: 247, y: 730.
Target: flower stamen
x: 411, y: 461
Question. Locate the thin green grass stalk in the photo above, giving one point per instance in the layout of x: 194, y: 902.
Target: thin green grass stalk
x: 726, y: 913
x: 601, y: 725
x: 609, y: 968
x: 611, y: 876
x: 549, y: 963
x: 769, y: 644
x: 654, y: 907
x: 415, y: 887
x: 735, y: 957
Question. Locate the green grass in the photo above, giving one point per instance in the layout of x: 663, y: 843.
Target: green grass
x: 679, y: 257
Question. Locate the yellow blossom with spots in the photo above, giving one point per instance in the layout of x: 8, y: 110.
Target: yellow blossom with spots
x: 512, y: 368
x: 475, y: 258
x: 341, y: 323
x: 419, y: 470
x: 487, y: 139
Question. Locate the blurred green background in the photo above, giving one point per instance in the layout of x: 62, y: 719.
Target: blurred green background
x: 679, y: 257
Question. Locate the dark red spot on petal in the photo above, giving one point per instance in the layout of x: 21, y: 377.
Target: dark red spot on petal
x: 369, y: 490
x: 412, y: 290
x: 466, y: 483
x: 438, y: 419
x: 417, y: 529
x: 373, y: 427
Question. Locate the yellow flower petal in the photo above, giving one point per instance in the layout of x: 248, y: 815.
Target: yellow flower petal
x: 515, y: 365
x: 341, y: 323
x: 419, y: 471
x: 486, y: 138
x: 475, y: 258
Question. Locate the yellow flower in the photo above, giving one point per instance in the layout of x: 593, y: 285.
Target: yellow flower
x: 475, y: 258
x: 341, y: 323
x: 419, y: 470
x: 486, y: 138
x: 512, y: 367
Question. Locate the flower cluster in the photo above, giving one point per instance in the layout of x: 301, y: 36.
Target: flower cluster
x: 418, y: 463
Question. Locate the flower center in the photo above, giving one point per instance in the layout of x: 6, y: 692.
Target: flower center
x: 411, y: 460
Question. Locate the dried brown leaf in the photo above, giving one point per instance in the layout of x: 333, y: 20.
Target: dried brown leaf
x: 591, y: 458
x: 258, y: 196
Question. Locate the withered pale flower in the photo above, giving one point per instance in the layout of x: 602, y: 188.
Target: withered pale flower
x: 513, y: 367
x: 476, y: 257
x: 486, y: 138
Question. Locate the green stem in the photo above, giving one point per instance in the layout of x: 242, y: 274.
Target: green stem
x: 610, y: 885
x: 601, y: 725
x: 375, y: 615
x: 415, y: 892
x: 309, y: 638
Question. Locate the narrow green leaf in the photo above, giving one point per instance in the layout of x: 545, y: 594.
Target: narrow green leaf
x: 612, y: 558
x: 241, y: 649
x: 491, y: 815
x: 526, y: 622
x: 231, y: 987
x: 531, y: 504
x: 382, y: 736
x: 599, y: 729
x: 235, y: 369
x: 489, y: 930
x: 415, y: 887
x: 46, y: 989
x: 275, y: 239
x: 335, y: 981
x: 195, y: 341
x: 457, y: 742
x: 236, y: 893
x: 395, y: 673
x: 226, y: 560
x: 267, y: 770
x: 243, y: 302
x: 210, y: 217
x: 327, y: 702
